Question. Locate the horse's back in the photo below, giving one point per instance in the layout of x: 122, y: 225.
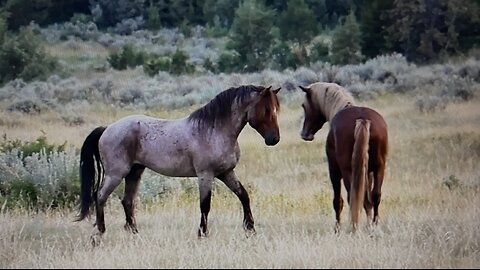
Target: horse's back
x: 341, y: 135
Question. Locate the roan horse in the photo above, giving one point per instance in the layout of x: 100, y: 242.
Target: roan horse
x: 356, y: 147
x: 203, y: 145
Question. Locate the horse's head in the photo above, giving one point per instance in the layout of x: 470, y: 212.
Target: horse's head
x: 263, y: 114
x: 313, y: 117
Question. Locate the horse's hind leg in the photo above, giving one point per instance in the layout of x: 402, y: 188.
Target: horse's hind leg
x: 367, y: 202
x: 377, y: 191
x: 132, y: 181
x: 231, y: 181
x: 108, y: 186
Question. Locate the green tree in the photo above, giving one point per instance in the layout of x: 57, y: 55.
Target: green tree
x: 3, y: 27
x: 298, y: 22
x: 112, y: 12
x: 346, y: 42
x: 153, y: 17
x: 220, y: 13
x: 179, y: 63
x: 22, y: 12
x: 462, y: 20
x: 319, y: 9
x: 337, y: 9
x: 251, y: 34
x: 439, y: 27
x: 23, y: 56
x: 372, y: 26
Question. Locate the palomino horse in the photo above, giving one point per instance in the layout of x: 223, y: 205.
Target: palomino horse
x: 203, y: 145
x: 357, y: 145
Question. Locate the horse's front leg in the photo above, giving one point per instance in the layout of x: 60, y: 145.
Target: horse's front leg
x: 231, y: 180
x: 336, y: 179
x: 205, y: 189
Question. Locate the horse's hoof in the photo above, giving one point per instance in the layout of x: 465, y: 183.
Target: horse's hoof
x: 202, y: 234
x: 337, y: 228
x: 250, y: 232
x: 131, y: 228
x: 95, y: 239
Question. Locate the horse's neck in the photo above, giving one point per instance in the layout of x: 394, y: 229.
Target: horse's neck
x: 236, y: 124
x: 334, y: 108
x: 229, y: 129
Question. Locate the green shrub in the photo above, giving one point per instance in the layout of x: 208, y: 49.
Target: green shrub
x: 22, y: 56
x: 283, y: 57
x: 38, y: 175
x: 29, y: 148
x: 180, y: 65
x: 156, y: 64
x: 319, y: 52
x: 177, y: 64
x: 20, y: 193
x: 209, y: 65
x: 153, y: 17
x: 127, y: 57
x: 229, y: 62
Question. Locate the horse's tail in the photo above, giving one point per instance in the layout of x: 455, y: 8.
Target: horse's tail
x: 88, y: 187
x: 359, y: 169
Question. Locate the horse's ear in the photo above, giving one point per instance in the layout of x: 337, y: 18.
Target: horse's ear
x: 277, y: 90
x: 305, y: 89
x: 265, y: 90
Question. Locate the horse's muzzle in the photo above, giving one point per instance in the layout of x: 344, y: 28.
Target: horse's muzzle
x: 307, y: 136
x: 271, y: 138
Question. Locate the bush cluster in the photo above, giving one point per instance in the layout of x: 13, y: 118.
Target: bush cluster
x: 22, y: 56
x: 37, y: 175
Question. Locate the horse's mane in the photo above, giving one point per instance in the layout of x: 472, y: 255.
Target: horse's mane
x: 330, y: 98
x: 220, y: 107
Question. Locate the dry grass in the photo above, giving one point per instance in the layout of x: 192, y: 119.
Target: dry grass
x: 429, y: 212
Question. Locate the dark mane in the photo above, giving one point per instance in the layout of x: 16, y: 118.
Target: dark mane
x: 220, y: 107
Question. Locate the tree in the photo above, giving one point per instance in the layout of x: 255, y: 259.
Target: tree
x: 405, y: 16
x: 3, y: 27
x: 298, y: 22
x: 319, y: 9
x: 346, y: 42
x: 463, y: 25
x: 153, y: 17
x: 440, y: 27
x: 22, y: 56
x: 22, y: 12
x: 337, y: 9
x: 251, y: 34
x: 220, y: 13
x: 108, y: 13
x: 372, y: 26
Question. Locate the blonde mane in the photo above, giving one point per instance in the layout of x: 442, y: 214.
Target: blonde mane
x: 330, y: 98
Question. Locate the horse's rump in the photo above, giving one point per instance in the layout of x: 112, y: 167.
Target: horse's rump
x: 343, y: 127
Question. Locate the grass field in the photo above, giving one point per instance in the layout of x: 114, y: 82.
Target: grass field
x: 429, y: 215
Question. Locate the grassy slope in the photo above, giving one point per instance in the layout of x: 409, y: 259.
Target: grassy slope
x: 423, y: 223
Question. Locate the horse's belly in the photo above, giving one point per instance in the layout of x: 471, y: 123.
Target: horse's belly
x: 171, y: 166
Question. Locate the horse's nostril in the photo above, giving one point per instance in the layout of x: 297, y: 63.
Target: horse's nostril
x: 271, y: 140
x: 307, y: 137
